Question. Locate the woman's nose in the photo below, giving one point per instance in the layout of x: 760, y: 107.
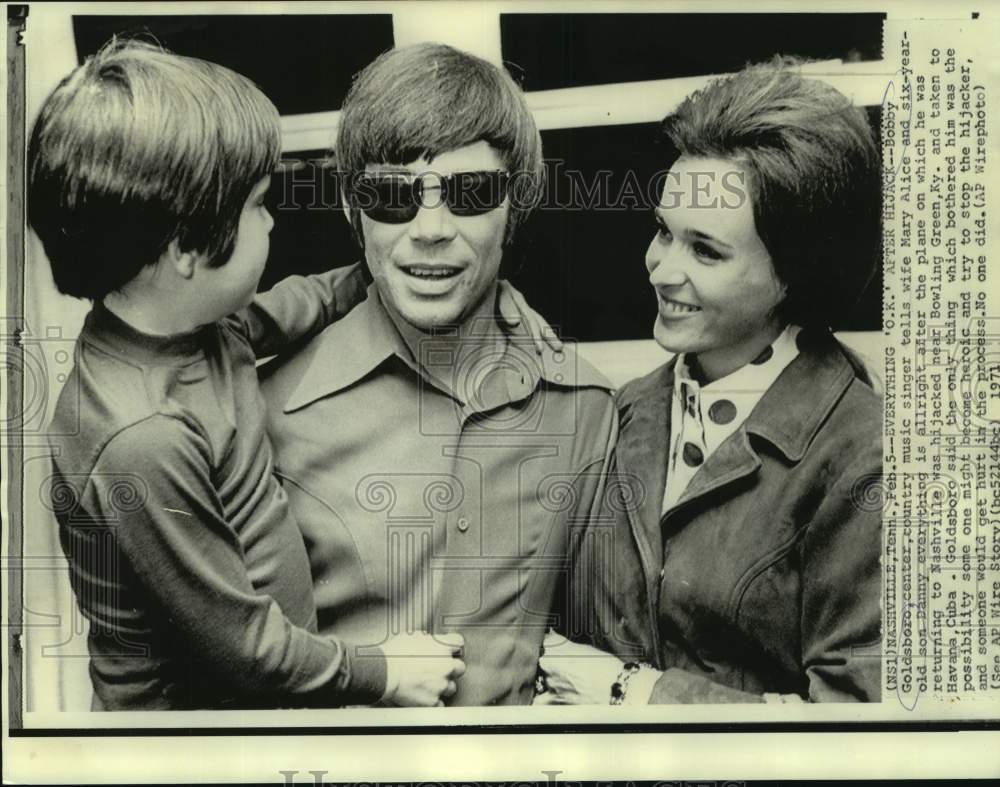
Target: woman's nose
x: 664, y: 263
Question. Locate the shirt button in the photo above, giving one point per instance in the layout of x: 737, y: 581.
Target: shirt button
x: 463, y: 524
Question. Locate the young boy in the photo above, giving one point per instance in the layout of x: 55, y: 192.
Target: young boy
x: 147, y: 176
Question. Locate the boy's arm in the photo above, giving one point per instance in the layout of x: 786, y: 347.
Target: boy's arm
x: 300, y: 306
x: 172, y: 529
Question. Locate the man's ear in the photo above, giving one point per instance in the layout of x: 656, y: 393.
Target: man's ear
x: 346, y: 207
x: 184, y: 263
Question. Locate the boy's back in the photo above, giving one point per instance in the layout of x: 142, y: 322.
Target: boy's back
x: 182, y: 551
x: 171, y: 434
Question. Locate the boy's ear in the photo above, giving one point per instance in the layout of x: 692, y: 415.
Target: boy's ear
x: 184, y: 263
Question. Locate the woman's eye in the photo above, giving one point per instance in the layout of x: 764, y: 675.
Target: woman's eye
x: 704, y: 250
x: 663, y: 231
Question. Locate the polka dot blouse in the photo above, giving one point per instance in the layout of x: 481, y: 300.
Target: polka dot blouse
x: 703, y: 416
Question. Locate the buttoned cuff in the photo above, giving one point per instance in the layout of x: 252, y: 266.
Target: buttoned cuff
x: 366, y: 677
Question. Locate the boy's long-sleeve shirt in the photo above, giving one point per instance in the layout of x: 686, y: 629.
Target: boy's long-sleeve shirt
x: 183, y: 553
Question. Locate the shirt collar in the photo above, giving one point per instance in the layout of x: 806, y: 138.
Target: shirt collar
x: 353, y: 347
x: 751, y: 380
x: 797, y: 403
x: 105, y: 328
x: 347, y: 351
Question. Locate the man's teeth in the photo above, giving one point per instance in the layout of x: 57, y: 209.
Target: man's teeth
x: 432, y: 273
x: 674, y: 306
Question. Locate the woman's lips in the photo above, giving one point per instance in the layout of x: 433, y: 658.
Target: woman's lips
x: 671, y: 309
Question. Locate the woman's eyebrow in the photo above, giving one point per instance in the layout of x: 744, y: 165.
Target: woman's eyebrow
x: 699, y: 235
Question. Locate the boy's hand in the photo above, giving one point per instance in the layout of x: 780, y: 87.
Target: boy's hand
x: 514, y: 311
x: 421, y: 669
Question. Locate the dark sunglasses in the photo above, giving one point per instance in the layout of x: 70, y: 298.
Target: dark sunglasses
x: 395, y: 198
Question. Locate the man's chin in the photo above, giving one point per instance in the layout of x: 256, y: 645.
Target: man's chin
x: 426, y: 318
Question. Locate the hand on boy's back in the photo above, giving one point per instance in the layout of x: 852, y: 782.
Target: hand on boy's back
x: 421, y: 669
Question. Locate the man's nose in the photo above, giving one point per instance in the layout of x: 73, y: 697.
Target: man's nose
x: 434, y: 221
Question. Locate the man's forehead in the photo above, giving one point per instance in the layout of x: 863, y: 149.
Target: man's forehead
x: 478, y: 155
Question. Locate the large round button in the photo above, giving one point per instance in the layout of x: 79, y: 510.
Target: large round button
x: 692, y: 454
x: 722, y: 412
x: 463, y: 524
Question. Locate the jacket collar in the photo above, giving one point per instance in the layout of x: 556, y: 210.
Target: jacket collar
x: 788, y: 416
x: 366, y: 337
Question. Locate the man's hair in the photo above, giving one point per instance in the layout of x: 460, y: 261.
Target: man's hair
x: 813, y: 177
x: 139, y: 147
x: 427, y: 99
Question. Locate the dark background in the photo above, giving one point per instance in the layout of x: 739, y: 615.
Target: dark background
x: 582, y: 269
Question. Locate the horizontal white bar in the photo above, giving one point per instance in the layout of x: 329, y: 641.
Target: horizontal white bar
x: 611, y: 105
x: 315, y: 131
x: 650, y: 101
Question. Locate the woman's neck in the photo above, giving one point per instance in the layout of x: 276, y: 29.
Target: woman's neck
x: 723, y: 361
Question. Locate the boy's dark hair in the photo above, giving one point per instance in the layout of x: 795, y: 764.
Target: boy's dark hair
x: 139, y: 147
x: 426, y: 99
x: 813, y: 177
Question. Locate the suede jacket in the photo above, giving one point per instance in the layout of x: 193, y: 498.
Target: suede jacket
x: 765, y: 576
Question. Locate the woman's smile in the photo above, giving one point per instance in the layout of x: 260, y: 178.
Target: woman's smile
x: 716, y: 288
x: 671, y: 309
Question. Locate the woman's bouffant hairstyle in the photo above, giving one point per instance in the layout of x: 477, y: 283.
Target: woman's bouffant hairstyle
x: 427, y: 99
x: 813, y: 175
x: 139, y: 147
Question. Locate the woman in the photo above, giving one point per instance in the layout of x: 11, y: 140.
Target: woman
x: 743, y: 563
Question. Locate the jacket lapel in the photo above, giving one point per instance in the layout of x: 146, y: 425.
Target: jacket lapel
x: 787, y: 416
x: 730, y: 462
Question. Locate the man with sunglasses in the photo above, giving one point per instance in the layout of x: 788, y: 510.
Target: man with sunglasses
x: 438, y: 466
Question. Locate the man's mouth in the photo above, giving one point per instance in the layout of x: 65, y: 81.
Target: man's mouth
x: 431, y: 271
